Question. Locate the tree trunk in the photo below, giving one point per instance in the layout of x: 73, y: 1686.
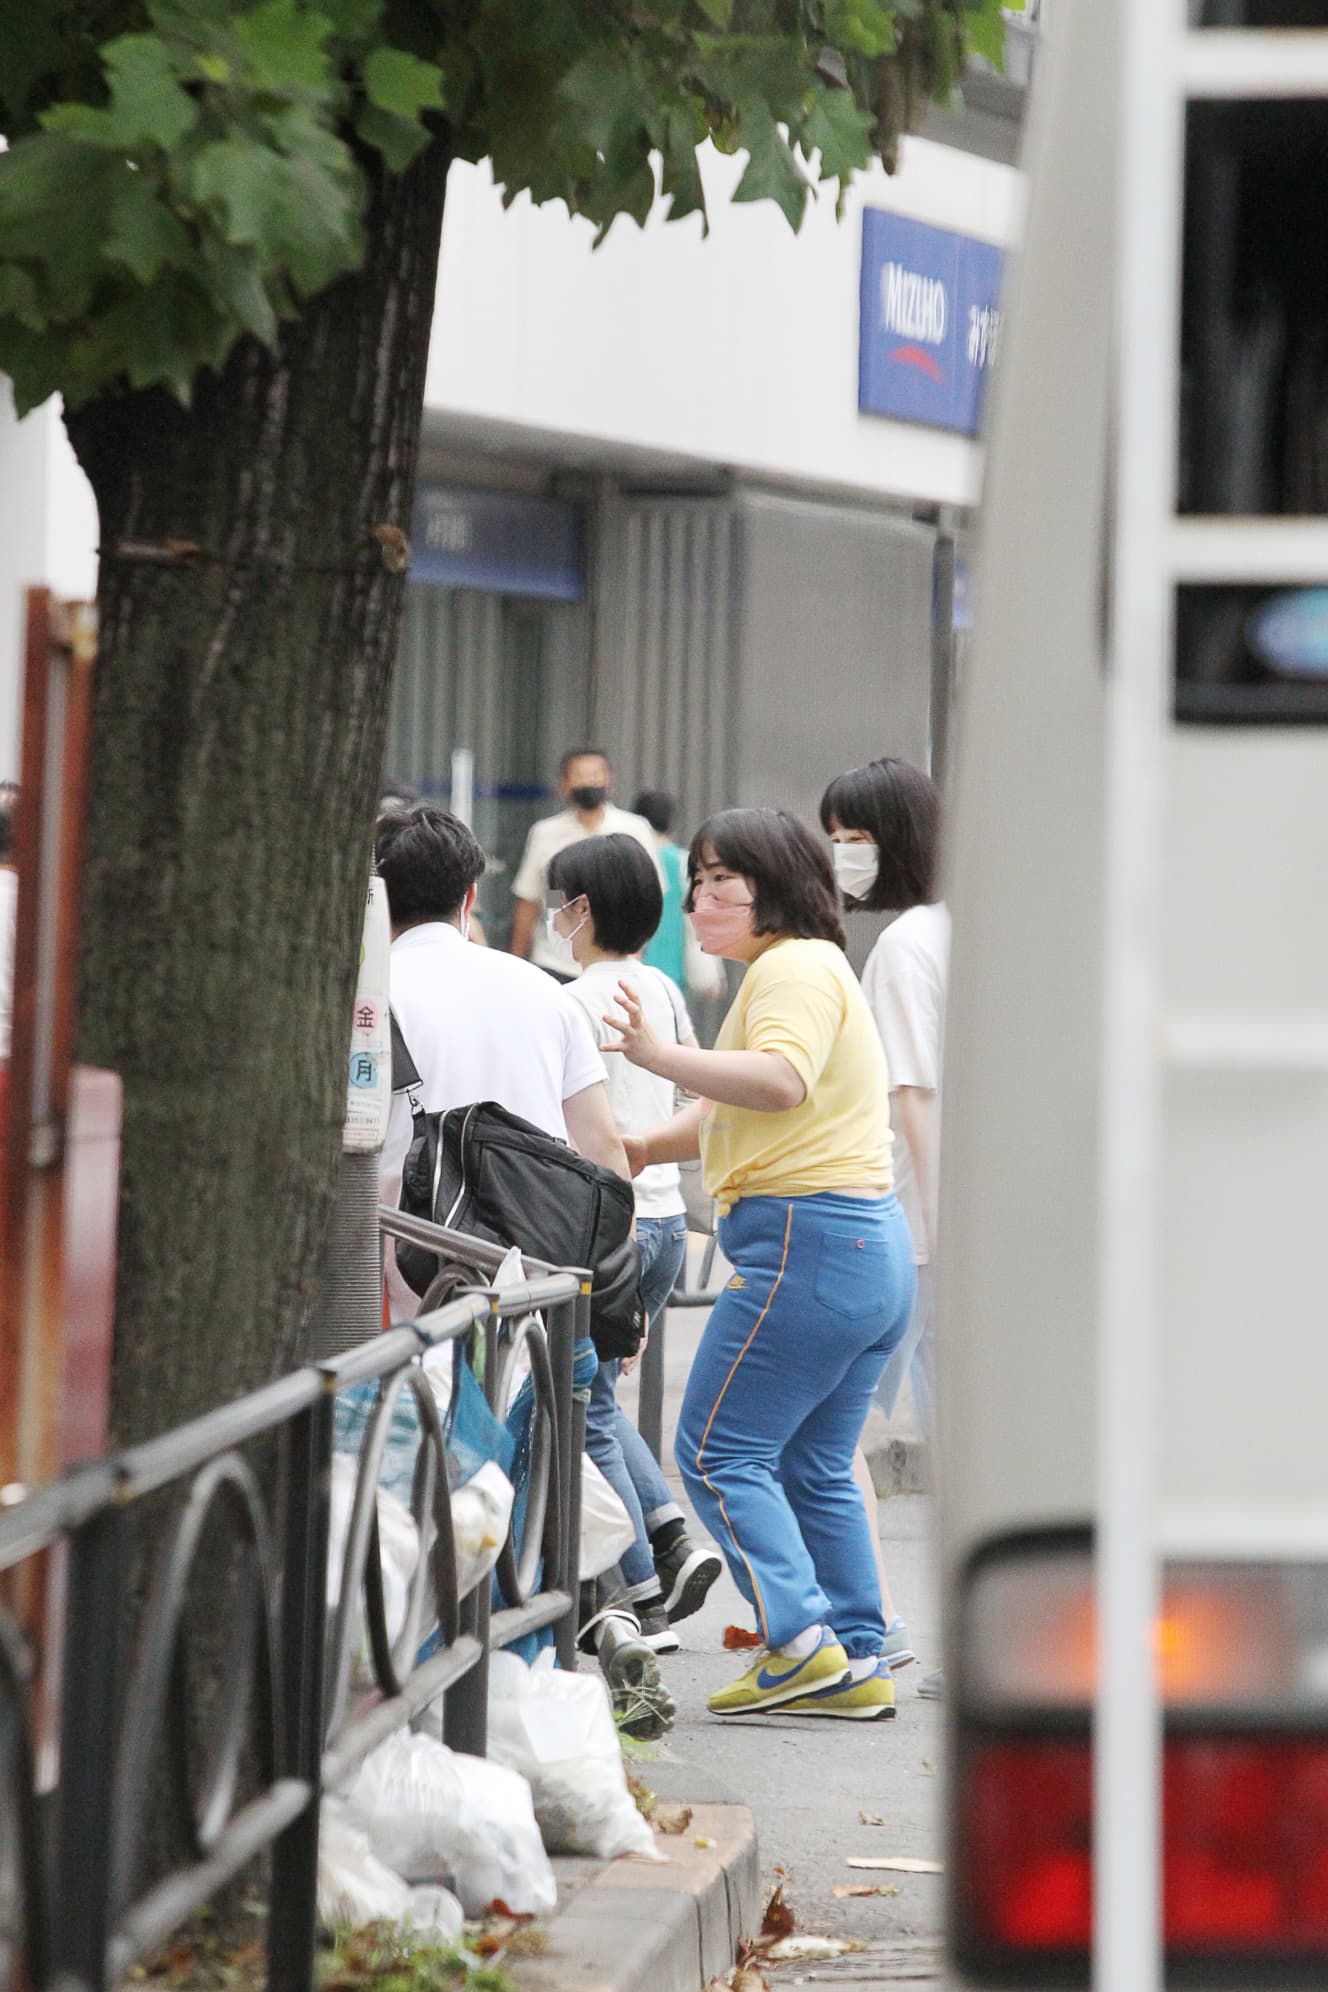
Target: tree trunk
x: 241, y: 708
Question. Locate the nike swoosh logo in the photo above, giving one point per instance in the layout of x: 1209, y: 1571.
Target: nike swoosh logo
x: 765, y: 1679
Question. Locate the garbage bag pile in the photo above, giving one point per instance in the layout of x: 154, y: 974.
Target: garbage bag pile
x: 557, y: 1730
x: 433, y: 1815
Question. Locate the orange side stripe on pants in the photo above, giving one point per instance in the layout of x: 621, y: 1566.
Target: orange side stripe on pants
x: 760, y: 1607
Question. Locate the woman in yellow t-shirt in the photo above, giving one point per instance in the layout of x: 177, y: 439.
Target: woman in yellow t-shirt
x: 792, y: 1126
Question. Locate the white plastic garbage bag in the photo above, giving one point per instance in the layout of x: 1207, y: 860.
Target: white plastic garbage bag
x: 355, y: 1887
x: 481, y: 1516
x: 606, y: 1526
x: 557, y: 1729
x: 434, y: 1815
x: 399, y: 1543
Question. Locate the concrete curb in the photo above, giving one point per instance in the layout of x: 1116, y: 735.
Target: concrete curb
x: 669, y: 1926
x: 900, y: 1462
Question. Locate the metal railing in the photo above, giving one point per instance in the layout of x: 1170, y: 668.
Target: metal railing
x: 93, y: 1731
x: 650, y: 1396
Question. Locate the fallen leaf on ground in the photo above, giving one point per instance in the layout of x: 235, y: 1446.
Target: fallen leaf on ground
x: 643, y: 1797
x: 870, y: 1819
x: 929, y: 1767
x: 846, y: 1888
x: 778, y: 1920
x: 813, y: 1947
x: 670, y: 1818
x: 901, y: 1864
x: 737, y: 1639
x: 749, y: 1978
x: 528, y: 1943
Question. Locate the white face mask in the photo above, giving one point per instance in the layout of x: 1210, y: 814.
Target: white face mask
x: 856, y: 868
x: 561, y: 944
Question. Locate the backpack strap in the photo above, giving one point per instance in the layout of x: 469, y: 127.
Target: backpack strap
x: 405, y: 1073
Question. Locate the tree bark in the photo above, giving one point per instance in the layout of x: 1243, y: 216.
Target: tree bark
x: 241, y: 707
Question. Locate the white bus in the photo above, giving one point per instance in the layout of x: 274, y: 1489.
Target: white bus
x: 1134, y: 1266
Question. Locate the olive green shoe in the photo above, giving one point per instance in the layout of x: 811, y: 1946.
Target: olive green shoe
x: 775, y: 1679
x: 853, y: 1701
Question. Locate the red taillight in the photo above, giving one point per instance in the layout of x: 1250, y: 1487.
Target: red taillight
x: 1245, y: 1834
x: 1025, y: 1819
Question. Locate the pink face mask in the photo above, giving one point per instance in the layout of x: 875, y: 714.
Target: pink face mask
x: 722, y: 929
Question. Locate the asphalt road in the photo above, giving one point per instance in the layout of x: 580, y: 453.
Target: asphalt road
x: 809, y: 1782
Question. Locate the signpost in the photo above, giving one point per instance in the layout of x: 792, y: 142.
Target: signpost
x: 929, y: 329
x: 502, y: 542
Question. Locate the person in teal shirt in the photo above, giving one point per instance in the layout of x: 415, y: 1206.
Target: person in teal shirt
x: 667, y: 950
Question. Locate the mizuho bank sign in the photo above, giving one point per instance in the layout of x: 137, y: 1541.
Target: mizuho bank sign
x: 930, y: 322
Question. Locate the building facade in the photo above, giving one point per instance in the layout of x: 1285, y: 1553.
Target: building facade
x: 695, y: 498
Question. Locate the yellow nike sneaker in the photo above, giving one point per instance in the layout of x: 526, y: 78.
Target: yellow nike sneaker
x: 776, y: 1678
x: 853, y: 1701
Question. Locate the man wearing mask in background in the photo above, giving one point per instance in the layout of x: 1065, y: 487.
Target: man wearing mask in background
x: 585, y: 783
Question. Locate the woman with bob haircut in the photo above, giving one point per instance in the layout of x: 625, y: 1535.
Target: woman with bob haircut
x: 793, y: 1129
x: 884, y: 822
x: 604, y: 905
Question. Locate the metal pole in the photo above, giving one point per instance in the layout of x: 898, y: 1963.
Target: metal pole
x: 466, y: 1705
x: 293, y: 1895
x: 84, y: 1914
x: 570, y: 1324
x: 350, y: 1301
x: 650, y: 1398
x: 1127, y: 1730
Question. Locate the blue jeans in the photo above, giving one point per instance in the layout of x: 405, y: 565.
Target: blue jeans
x: 821, y: 1293
x: 612, y: 1441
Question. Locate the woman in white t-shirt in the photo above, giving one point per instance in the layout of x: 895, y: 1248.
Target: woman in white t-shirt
x: 884, y: 821
x: 605, y: 902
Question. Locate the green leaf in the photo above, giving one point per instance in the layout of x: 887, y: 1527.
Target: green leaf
x: 30, y: 49
x: 148, y: 106
x: 18, y: 297
x: 401, y: 84
x: 680, y: 180
x: 144, y: 233
x: 293, y: 211
x: 353, y: 21
x: 719, y: 13
x: 984, y: 34
x: 283, y: 44
x: 840, y: 131
x: 55, y: 194
x: 771, y: 172
x: 397, y: 139
x: 35, y: 363
x: 238, y: 286
x: 597, y: 94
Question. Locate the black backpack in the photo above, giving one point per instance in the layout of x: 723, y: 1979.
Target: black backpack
x: 483, y: 1170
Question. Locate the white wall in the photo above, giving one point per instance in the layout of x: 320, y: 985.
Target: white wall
x: 48, y: 534
x: 739, y: 349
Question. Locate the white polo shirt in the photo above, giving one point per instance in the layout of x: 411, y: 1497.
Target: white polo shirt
x: 555, y: 833
x: 479, y: 1025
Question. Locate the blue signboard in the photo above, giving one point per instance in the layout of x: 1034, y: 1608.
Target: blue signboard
x: 929, y: 328
x: 501, y: 542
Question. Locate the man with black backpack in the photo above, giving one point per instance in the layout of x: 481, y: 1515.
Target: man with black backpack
x: 477, y: 1025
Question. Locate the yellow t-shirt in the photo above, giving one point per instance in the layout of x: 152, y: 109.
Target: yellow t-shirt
x: 801, y: 998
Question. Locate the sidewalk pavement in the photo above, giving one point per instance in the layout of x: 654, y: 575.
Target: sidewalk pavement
x: 632, y: 1926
